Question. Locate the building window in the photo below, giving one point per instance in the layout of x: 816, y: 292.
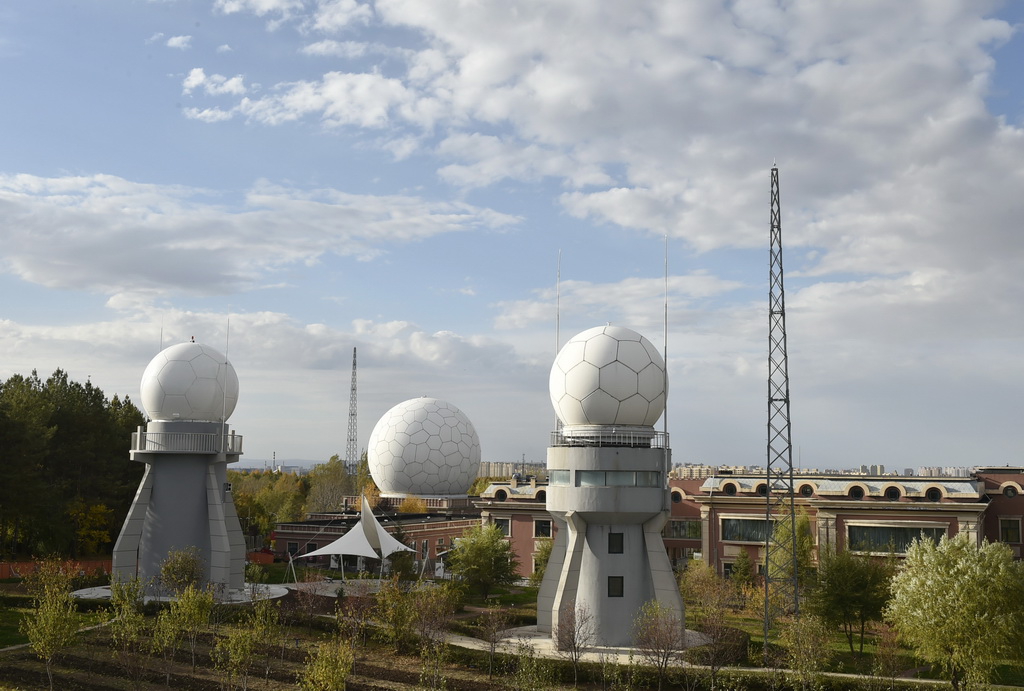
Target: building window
x: 542, y: 528
x: 806, y: 490
x: 1009, y: 530
x: 883, y: 538
x: 293, y: 548
x: 688, y: 529
x: 727, y: 569
x: 440, y: 542
x: 616, y: 587
x: 648, y: 478
x: 618, y: 478
x: 892, y: 493
x: 616, y: 544
x: 933, y: 494
x: 729, y: 489
x: 558, y: 477
x: 856, y: 492
x: 1009, y: 491
x: 744, y: 529
x: 310, y: 547
x: 762, y: 489
x: 425, y: 548
x: 677, y: 497
x: 504, y: 525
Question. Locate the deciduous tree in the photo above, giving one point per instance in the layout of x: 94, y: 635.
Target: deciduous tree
x: 574, y: 634
x: 807, y: 640
x: 483, y: 558
x: 850, y: 591
x: 128, y: 627
x: 327, y: 667
x: 960, y: 605
x: 53, y: 623
x: 659, y: 636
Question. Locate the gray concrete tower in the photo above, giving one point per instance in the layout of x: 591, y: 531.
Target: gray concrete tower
x: 608, y: 485
x: 184, y: 500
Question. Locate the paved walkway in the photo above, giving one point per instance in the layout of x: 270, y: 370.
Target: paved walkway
x: 544, y: 646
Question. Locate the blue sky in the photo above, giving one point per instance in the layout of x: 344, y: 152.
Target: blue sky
x: 400, y: 176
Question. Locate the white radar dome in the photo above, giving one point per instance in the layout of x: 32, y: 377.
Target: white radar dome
x: 424, y: 446
x: 189, y: 381
x: 608, y: 375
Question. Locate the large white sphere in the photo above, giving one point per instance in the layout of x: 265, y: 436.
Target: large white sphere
x: 424, y: 446
x: 189, y: 381
x: 608, y: 375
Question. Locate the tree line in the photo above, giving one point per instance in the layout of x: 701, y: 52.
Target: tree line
x: 68, y: 478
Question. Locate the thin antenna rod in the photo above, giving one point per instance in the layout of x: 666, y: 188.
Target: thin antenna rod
x: 224, y: 399
x: 558, y: 320
x: 664, y: 419
x: 558, y: 303
x: 665, y: 344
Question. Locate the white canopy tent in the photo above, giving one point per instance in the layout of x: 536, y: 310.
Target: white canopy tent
x: 364, y: 540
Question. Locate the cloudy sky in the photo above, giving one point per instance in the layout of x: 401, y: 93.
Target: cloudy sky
x: 289, y: 179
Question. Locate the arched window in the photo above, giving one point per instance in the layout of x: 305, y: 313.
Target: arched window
x: 729, y: 489
x: 806, y: 490
x: 892, y: 493
x: 856, y: 492
x: 501, y: 495
x: 933, y: 494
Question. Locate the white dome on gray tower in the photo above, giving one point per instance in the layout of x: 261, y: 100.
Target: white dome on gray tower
x: 608, y: 375
x: 424, y: 446
x: 189, y: 381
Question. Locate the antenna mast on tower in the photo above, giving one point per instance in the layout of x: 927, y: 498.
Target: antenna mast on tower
x: 780, y: 582
x: 352, y: 445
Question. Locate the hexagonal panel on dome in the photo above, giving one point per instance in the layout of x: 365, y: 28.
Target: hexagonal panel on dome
x: 600, y: 406
x: 433, y: 443
x: 600, y: 350
x: 581, y: 380
x: 633, y: 355
x: 600, y: 369
x: 618, y: 380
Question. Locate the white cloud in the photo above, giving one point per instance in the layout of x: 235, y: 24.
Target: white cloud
x: 334, y: 15
x: 208, y: 114
x: 214, y: 84
x: 258, y: 7
x: 224, y: 48
x: 109, y: 235
x: 180, y: 42
x: 365, y: 100
x: 340, y: 49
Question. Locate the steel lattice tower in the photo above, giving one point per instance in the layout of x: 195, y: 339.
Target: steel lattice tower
x: 780, y: 583
x: 352, y: 445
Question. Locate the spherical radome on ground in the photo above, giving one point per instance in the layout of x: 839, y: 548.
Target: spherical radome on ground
x: 608, y: 375
x: 424, y: 446
x: 189, y: 381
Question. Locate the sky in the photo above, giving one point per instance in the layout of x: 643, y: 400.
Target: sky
x: 456, y: 187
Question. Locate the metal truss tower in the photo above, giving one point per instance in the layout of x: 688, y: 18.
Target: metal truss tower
x: 780, y: 582
x: 352, y: 443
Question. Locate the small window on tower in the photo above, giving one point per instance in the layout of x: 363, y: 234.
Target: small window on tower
x: 616, y: 586
x: 616, y: 544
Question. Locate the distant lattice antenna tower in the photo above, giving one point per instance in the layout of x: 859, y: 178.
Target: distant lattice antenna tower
x: 780, y: 584
x: 352, y: 446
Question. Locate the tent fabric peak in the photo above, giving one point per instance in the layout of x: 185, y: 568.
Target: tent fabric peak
x: 364, y: 539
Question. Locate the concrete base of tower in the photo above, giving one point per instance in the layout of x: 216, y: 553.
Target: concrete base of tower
x: 184, y: 501
x: 608, y: 558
